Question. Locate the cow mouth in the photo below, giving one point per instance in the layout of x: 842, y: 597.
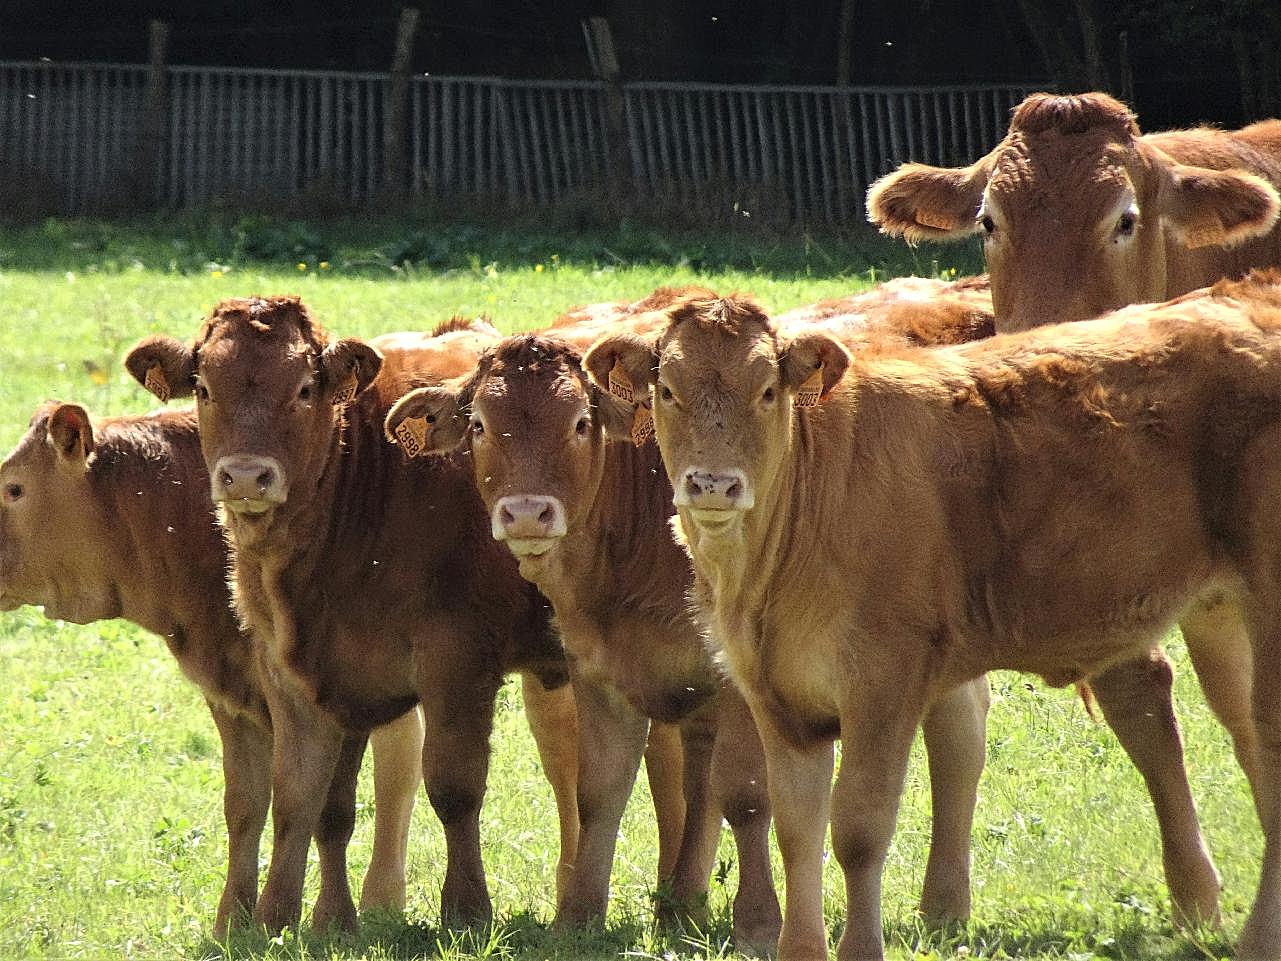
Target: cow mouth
x: 527, y: 547
x: 248, y: 506
x: 713, y: 519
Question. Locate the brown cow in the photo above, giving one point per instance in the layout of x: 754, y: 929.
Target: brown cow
x: 1049, y: 502
x: 1081, y: 214
x: 365, y: 594
x: 113, y: 520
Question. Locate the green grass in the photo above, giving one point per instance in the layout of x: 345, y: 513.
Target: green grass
x: 111, y: 835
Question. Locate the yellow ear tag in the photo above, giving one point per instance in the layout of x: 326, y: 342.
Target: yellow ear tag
x: 620, y: 385
x: 346, y: 391
x: 808, y: 394
x: 642, y: 425
x: 156, y: 383
x: 411, y: 434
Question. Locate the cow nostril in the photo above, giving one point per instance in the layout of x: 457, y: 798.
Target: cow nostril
x: 734, y: 490
x: 545, y: 516
x: 692, y: 485
x: 505, y: 516
x: 226, y: 478
x: 264, y: 481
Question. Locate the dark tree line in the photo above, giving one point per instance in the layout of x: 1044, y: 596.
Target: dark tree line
x: 1180, y: 61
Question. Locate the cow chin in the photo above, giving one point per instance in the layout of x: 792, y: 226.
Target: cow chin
x: 249, y: 520
x: 716, y: 522
x: 527, y: 548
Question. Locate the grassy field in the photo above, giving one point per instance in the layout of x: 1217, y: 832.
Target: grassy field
x: 111, y: 834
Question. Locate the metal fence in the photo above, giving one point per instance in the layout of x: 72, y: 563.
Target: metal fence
x: 75, y: 129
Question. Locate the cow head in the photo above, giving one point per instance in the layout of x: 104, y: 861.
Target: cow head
x: 1074, y: 209
x: 724, y: 384
x: 270, y: 393
x: 536, y: 430
x: 54, y: 539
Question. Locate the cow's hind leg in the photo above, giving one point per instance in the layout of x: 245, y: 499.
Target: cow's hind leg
x: 458, y: 706
x: 955, y: 741
x: 1135, y: 698
x: 553, y: 720
x: 741, y: 792
x: 246, y: 768
x: 397, y: 748
x: 334, y: 906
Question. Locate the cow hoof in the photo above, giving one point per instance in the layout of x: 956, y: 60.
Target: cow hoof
x: 340, y: 916
x: 276, y: 917
x: 756, y: 932
x: 1260, y: 940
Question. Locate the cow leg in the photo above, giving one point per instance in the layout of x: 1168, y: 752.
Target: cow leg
x: 305, y: 750
x: 688, y: 888
x: 553, y: 720
x: 458, y: 704
x: 334, y: 906
x: 877, y: 729
x: 1261, y: 936
x: 612, y: 734
x: 955, y: 730
x: 741, y: 791
x: 1219, y: 648
x: 1135, y: 698
x: 664, y: 767
x: 800, y: 794
x: 246, y: 798
x: 398, y: 771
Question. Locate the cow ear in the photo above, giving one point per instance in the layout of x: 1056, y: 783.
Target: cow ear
x: 70, y: 433
x: 428, y: 420
x: 163, y: 365
x: 622, y: 367
x: 919, y: 202
x: 347, y: 367
x: 811, y: 365
x: 1216, y: 208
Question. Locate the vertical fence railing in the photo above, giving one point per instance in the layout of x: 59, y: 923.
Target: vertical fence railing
x: 72, y: 130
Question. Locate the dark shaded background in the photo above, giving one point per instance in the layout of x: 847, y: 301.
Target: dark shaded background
x: 1192, y: 60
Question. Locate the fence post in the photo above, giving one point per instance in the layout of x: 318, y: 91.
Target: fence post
x: 395, y: 133
x: 604, y: 61
x: 152, y: 131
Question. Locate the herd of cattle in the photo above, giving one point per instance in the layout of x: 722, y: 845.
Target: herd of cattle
x: 721, y: 540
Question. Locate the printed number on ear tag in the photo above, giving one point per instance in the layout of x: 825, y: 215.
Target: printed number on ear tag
x: 411, y: 434
x: 156, y: 383
x: 642, y: 425
x: 808, y: 394
x: 620, y: 385
x: 346, y: 392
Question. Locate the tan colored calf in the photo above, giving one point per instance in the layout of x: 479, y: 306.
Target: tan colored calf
x: 1081, y: 214
x: 867, y: 532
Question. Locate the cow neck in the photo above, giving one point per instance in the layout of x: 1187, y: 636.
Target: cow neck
x: 168, y: 569
x: 621, y: 555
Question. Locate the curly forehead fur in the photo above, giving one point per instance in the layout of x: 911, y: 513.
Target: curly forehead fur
x: 277, y: 316
x: 726, y: 314
x: 1074, y: 114
x: 530, y: 356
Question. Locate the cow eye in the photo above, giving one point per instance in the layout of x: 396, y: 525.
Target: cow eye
x: 202, y: 392
x: 477, y: 428
x: 304, y: 393
x: 767, y: 396
x: 13, y: 492
x: 1126, y: 224
x: 988, y: 224
x: 665, y: 392
x: 581, y: 427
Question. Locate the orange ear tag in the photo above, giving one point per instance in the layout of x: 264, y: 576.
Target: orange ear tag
x: 346, y: 392
x: 620, y: 385
x: 411, y: 434
x: 808, y: 394
x: 642, y: 425
x: 156, y: 383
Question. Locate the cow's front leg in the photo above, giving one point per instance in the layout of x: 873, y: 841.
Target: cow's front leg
x: 306, y: 745
x: 246, y: 770
x: 800, y: 792
x: 334, y: 906
x: 741, y: 791
x: 552, y: 716
x: 611, y: 741
x: 397, y: 748
x: 458, y: 706
x: 702, y: 824
x: 664, y: 770
x: 1136, y: 702
x: 877, y: 729
x: 955, y: 732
